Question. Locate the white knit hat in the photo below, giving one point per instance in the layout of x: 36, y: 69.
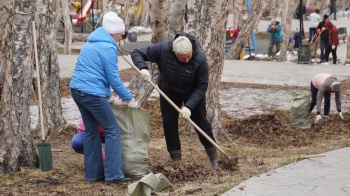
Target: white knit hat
x: 112, y: 23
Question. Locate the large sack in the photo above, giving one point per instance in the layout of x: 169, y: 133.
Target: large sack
x: 300, y: 115
x: 135, y: 128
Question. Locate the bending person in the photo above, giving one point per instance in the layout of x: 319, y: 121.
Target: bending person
x: 322, y: 85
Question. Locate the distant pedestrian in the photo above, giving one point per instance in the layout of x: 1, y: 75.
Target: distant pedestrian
x: 322, y: 85
x: 333, y: 41
x: 303, y: 11
x: 297, y: 38
x: 276, y: 36
x: 324, y: 37
x: 333, y: 8
x: 315, y: 19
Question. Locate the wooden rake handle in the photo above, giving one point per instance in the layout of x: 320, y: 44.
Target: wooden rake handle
x: 178, y: 109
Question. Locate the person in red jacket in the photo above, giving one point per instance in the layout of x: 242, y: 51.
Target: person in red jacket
x: 333, y: 41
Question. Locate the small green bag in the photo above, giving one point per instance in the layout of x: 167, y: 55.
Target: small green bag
x: 300, y: 115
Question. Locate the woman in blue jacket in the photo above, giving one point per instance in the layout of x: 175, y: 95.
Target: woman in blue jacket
x: 95, y: 72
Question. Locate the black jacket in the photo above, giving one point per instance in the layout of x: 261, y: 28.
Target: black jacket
x: 324, y: 35
x: 180, y: 81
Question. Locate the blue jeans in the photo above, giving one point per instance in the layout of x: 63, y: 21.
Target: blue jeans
x: 323, y: 45
x: 312, y: 32
x: 95, y: 109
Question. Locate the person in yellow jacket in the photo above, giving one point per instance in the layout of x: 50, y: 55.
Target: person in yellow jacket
x: 76, y: 5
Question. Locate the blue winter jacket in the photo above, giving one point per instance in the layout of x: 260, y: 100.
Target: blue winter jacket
x: 96, y: 67
x: 276, y: 35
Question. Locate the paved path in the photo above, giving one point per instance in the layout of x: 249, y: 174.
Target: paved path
x: 323, y: 176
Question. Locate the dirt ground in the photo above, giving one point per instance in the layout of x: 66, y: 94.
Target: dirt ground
x: 264, y: 142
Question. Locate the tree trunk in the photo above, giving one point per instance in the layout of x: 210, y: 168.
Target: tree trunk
x: 142, y: 90
x: 207, y: 22
x: 238, y: 13
x: 68, y: 35
x: 145, y: 14
x: 16, y: 70
x: 348, y: 49
x: 176, y: 15
x: 158, y: 21
x: 130, y: 13
x: 49, y: 70
x: 105, y: 7
x: 57, y: 15
x: 263, y: 7
x: 286, y: 22
x: 244, y: 34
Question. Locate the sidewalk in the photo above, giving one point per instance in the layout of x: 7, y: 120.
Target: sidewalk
x: 323, y: 176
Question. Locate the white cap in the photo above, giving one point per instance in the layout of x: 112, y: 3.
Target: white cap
x: 182, y: 45
x: 112, y: 23
x: 335, y: 86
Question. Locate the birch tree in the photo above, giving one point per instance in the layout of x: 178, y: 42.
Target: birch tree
x: 207, y: 22
x: 158, y: 22
x: 348, y: 49
x: 286, y: 27
x: 244, y: 34
x: 68, y: 35
x: 16, y: 74
x: 49, y: 69
x: 176, y: 13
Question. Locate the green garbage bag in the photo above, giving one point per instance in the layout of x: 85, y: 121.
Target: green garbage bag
x: 300, y: 115
x: 135, y: 137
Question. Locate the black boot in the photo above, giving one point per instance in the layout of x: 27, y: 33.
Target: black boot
x: 213, y: 157
x: 175, y: 155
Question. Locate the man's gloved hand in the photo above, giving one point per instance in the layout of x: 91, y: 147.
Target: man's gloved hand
x: 341, y: 115
x: 323, y: 28
x: 185, y: 113
x: 318, y: 118
x: 145, y: 75
x: 333, y: 47
x: 132, y: 103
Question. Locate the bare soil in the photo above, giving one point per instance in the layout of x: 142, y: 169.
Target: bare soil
x: 264, y: 142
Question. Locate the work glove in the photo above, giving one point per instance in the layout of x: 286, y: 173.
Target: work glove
x: 341, y: 115
x: 145, y: 75
x: 185, y: 113
x: 333, y: 47
x: 323, y: 28
x: 318, y: 118
x: 132, y: 103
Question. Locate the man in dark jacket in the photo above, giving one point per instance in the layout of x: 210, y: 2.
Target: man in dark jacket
x: 324, y: 36
x: 183, y: 77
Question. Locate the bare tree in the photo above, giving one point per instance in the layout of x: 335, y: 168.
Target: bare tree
x: 158, y: 21
x: 16, y: 74
x: 348, y: 48
x: 145, y: 13
x: 68, y: 35
x: 286, y: 27
x: 244, y: 34
x: 49, y: 70
x: 130, y: 13
x: 238, y: 12
x: 176, y: 13
x: 207, y: 22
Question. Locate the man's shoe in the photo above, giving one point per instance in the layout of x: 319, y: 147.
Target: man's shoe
x: 120, y: 181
